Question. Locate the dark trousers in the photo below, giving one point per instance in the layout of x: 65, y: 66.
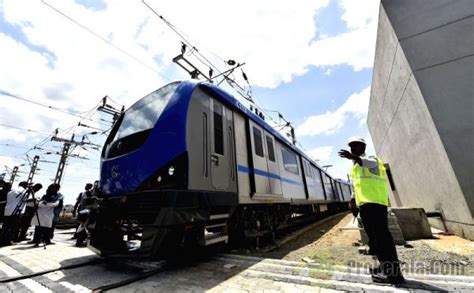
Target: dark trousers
x: 9, y: 230
x: 81, y: 237
x: 374, y: 218
x: 2, y: 211
x: 25, y: 222
x: 51, y: 231
x: 42, y: 235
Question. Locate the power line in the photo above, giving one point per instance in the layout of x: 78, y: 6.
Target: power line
x: 76, y: 114
x: 13, y: 146
x: 200, y: 57
x: 104, y: 39
x: 181, y: 35
x: 24, y: 129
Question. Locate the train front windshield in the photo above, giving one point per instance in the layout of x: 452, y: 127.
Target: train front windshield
x: 137, y: 122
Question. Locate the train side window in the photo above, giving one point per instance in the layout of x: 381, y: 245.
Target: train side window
x: 317, y: 178
x: 271, y: 150
x: 218, y: 129
x: 290, y: 162
x: 257, y: 139
x: 308, y: 170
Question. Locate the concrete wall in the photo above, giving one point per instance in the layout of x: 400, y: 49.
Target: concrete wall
x: 422, y: 105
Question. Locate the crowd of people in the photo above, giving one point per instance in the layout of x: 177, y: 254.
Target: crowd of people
x: 21, y: 208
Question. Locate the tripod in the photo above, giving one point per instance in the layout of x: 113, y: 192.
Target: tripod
x: 24, y: 197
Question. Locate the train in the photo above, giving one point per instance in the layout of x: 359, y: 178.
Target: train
x: 189, y: 165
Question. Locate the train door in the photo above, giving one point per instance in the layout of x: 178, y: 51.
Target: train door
x: 220, y: 155
x: 262, y: 181
x: 231, y: 154
x: 272, y: 164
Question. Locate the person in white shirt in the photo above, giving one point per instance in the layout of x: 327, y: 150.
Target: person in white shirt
x: 43, y: 218
x: 15, y: 204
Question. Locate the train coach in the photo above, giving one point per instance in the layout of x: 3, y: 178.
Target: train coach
x: 189, y: 165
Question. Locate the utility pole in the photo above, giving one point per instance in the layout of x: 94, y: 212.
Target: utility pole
x: 12, y: 178
x: 33, y: 169
x: 65, y: 154
x: 62, y: 163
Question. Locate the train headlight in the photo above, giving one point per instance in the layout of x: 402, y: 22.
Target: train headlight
x: 171, y: 171
x: 173, y: 175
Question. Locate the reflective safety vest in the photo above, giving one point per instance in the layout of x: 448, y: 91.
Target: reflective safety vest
x: 370, y: 187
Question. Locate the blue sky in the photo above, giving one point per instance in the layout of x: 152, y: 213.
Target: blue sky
x: 310, y: 60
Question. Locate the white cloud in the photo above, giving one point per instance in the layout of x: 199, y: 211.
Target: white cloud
x: 330, y: 122
x: 357, y: 105
x: 355, y: 48
x: 356, y: 15
x: 321, y: 153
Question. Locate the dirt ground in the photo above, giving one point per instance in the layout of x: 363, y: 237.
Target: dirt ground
x: 326, y: 243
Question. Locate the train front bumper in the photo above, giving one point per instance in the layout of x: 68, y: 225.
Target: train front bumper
x: 152, y: 223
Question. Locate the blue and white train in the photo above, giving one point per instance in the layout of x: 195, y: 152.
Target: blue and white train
x: 188, y: 164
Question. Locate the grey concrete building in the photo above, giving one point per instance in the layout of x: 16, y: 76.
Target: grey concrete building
x: 421, y: 112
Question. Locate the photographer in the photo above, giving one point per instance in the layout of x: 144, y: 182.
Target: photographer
x: 27, y: 216
x: 57, y: 196
x: 43, y: 219
x: 5, y: 188
x: 15, y: 203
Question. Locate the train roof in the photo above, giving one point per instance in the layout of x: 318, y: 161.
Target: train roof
x: 236, y: 104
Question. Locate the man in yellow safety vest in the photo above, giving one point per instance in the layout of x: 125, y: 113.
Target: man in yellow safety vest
x: 371, y: 198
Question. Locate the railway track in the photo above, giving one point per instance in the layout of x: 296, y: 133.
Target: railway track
x: 158, y: 268
x: 117, y: 274
x: 41, y: 273
x: 297, y: 231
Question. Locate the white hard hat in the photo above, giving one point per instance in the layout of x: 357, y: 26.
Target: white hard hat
x: 356, y: 139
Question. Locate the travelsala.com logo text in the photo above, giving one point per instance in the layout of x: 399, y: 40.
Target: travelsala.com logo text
x: 413, y: 267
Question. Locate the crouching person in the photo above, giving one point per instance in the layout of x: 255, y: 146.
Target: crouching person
x: 85, y: 217
x: 81, y: 232
x: 43, y: 219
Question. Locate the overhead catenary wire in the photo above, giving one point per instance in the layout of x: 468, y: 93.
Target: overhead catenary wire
x: 39, y: 146
x: 15, y: 96
x: 41, y: 143
x: 23, y: 129
x: 12, y: 146
x: 105, y: 40
x: 200, y: 57
x: 181, y: 35
x: 248, y: 94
